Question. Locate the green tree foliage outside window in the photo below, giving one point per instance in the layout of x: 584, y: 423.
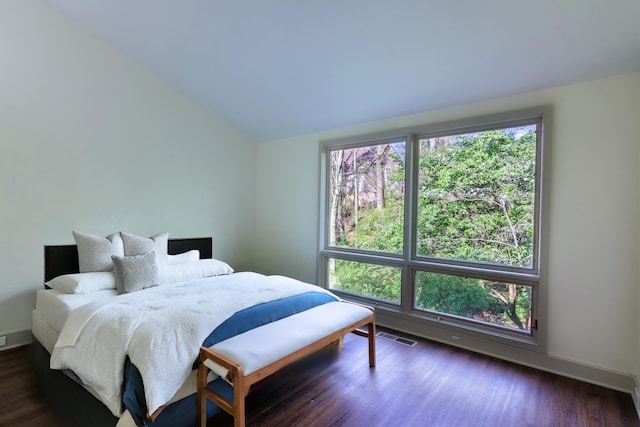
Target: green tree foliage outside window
x: 476, y: 197
x: 375, y: 281
x: 367, y: 198
x: 475, y: 205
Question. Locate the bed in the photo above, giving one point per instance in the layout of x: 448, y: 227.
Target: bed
x: 66, y: 323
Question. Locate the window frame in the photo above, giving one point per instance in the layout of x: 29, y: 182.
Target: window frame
x: 410, y: 262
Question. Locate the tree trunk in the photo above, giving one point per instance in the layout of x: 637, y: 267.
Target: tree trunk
x: 336, y: 159
x: 379, y: 171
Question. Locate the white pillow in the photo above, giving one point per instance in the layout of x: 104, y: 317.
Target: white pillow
x: 138, y: 245
x: 94, y: 252
x: 192, y: 270
x: 82, y: 283
x: 189, y: 256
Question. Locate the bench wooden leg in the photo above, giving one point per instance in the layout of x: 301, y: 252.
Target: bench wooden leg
x: 235, y: 408
x: 201, y: 398
x: 372, y: 343
x: 239, y: 394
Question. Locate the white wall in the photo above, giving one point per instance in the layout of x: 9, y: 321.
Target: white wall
x: 90, y: 142
x: 593, y: 273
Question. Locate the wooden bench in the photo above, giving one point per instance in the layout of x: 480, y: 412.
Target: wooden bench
x: 251, y: 356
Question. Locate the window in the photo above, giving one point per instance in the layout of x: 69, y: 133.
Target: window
x: 441, y: 223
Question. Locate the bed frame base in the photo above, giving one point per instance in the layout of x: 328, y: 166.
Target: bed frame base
x: 71, y: 403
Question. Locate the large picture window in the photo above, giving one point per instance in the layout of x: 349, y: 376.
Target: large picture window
x: 440, y: 222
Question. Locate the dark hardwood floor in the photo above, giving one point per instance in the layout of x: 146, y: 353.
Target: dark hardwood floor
x: 20, y: 401
x: 429, y: 384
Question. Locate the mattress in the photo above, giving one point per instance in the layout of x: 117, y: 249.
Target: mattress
x: 45, y: 334
x: 53, y: 308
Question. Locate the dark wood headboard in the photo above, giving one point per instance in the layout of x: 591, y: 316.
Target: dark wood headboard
x: 63, y: 259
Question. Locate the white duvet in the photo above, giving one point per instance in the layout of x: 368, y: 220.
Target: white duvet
x: 160, y: 329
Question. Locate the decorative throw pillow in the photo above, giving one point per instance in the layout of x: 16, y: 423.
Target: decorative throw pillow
x: 135, y: 272
x: 137, y: 245
x: 94, y: 252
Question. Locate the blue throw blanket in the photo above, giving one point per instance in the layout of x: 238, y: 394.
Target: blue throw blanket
x: 183, y: 412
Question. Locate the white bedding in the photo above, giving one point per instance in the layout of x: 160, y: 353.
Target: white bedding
x: 53, y: 308
x: 47, y: 336
x: 160, y: 329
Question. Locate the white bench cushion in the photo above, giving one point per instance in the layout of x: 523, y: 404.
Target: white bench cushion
x: 261, y: 346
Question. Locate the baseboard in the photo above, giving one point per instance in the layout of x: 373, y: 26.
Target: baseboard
x: 16, y: 339
x: 557, y: 365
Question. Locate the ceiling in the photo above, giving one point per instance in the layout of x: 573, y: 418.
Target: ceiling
x: 280, y: 68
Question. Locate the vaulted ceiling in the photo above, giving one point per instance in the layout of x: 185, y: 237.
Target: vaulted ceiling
x: 279, y: 68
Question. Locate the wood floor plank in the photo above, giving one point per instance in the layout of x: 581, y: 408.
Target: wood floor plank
x: 21, y: 403
x: 429, y: 384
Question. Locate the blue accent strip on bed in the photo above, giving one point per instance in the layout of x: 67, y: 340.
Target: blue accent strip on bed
x: 183, y: 414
